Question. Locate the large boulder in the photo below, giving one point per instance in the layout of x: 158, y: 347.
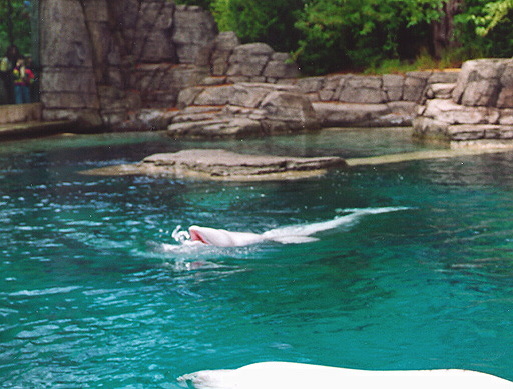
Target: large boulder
x: 249, y: 59
x: 476, y: 110
x: 336, y: 114
x: 363, y: 90
x: 223, y: 47
x: 243, y: 109
x: 448, y: 111
x: 485, y: 82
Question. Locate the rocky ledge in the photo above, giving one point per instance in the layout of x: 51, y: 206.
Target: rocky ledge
x: 477, y: 110
x: 224, y: 166
x: 242, y: 109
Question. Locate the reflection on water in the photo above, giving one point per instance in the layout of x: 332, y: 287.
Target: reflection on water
x: 90, y: 297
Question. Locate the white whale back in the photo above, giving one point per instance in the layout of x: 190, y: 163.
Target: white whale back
x: 223, y: 238
x: 287, y: 375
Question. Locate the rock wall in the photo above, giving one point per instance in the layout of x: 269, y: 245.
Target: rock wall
x: 68, y: 79
x: 103, y: 60
x: 242, y: 109
x: 145, y: 64
x: 218, y: 108
x: 232, y: 62
x: 475, y: 110
x: 360, y: 100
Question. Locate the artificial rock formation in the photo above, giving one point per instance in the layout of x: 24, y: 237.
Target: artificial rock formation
x: 147, y: 64
x: 151, y: 64
x: 224, y: 165
x: 217, y: 108
x: 105, y: 60
x: 102, y: 59
x: 476, y: 110
x: 242, y: 109
x: 368, y: 101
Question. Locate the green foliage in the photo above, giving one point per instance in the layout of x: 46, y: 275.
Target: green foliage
x: 270, y: 21
x: 15, y: 26
x: 361, y: 33
x: 494, y: 13
x: 222, y: 15
x: 483, y: 29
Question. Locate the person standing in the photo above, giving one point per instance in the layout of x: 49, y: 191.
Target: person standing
x: 23, y: 78
x: 7, y: 64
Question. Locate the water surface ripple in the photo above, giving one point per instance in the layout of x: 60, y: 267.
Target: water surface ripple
x: 89, y: 297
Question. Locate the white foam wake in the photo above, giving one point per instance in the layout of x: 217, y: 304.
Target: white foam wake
x: 301, y: 233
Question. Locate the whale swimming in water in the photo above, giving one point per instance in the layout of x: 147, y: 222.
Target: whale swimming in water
x: 289, y: 375
x: 223, y: 238
x: 300, y: 233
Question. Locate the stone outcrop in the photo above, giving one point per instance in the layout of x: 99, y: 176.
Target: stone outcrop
x: 242, y: 109
x: 104, y: 59
x: 224, y: 165
x: 217, y: 108
x: 360, y: 100
x: 151, y: 64
x: 251, y: 62
x: 147, y: 64
x: 477, y: 109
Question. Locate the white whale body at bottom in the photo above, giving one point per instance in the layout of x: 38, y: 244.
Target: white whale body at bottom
x: 289, y: 375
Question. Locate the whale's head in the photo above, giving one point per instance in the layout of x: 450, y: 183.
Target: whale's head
x: 200, y: 234
x: 222, y: 238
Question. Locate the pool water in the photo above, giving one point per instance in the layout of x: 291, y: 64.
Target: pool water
x: 91, y: 296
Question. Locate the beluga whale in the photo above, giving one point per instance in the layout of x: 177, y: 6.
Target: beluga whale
x: 284, y: 375
x: 294, y: 234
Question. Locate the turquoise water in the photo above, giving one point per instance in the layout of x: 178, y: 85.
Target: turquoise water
x: 90, y: 297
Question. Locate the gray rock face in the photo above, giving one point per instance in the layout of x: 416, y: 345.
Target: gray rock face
x: 150, y: 46
x: 152, y: 35
x: 251, y: 62
x: 224, y: 165
x: 107, y: 62
x: 68, y: 85
x: 216, y: 108
x: 476, y: 110
x: 223, y: 46
x: 485, y: 82
x: 193, y: 35
x: 242, y: 109
x: 334, y: 114
x: 363, y: 90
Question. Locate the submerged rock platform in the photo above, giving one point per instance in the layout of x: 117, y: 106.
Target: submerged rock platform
x: 217, y: 164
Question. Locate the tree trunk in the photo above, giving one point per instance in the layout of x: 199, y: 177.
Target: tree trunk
x: 443, y: 29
